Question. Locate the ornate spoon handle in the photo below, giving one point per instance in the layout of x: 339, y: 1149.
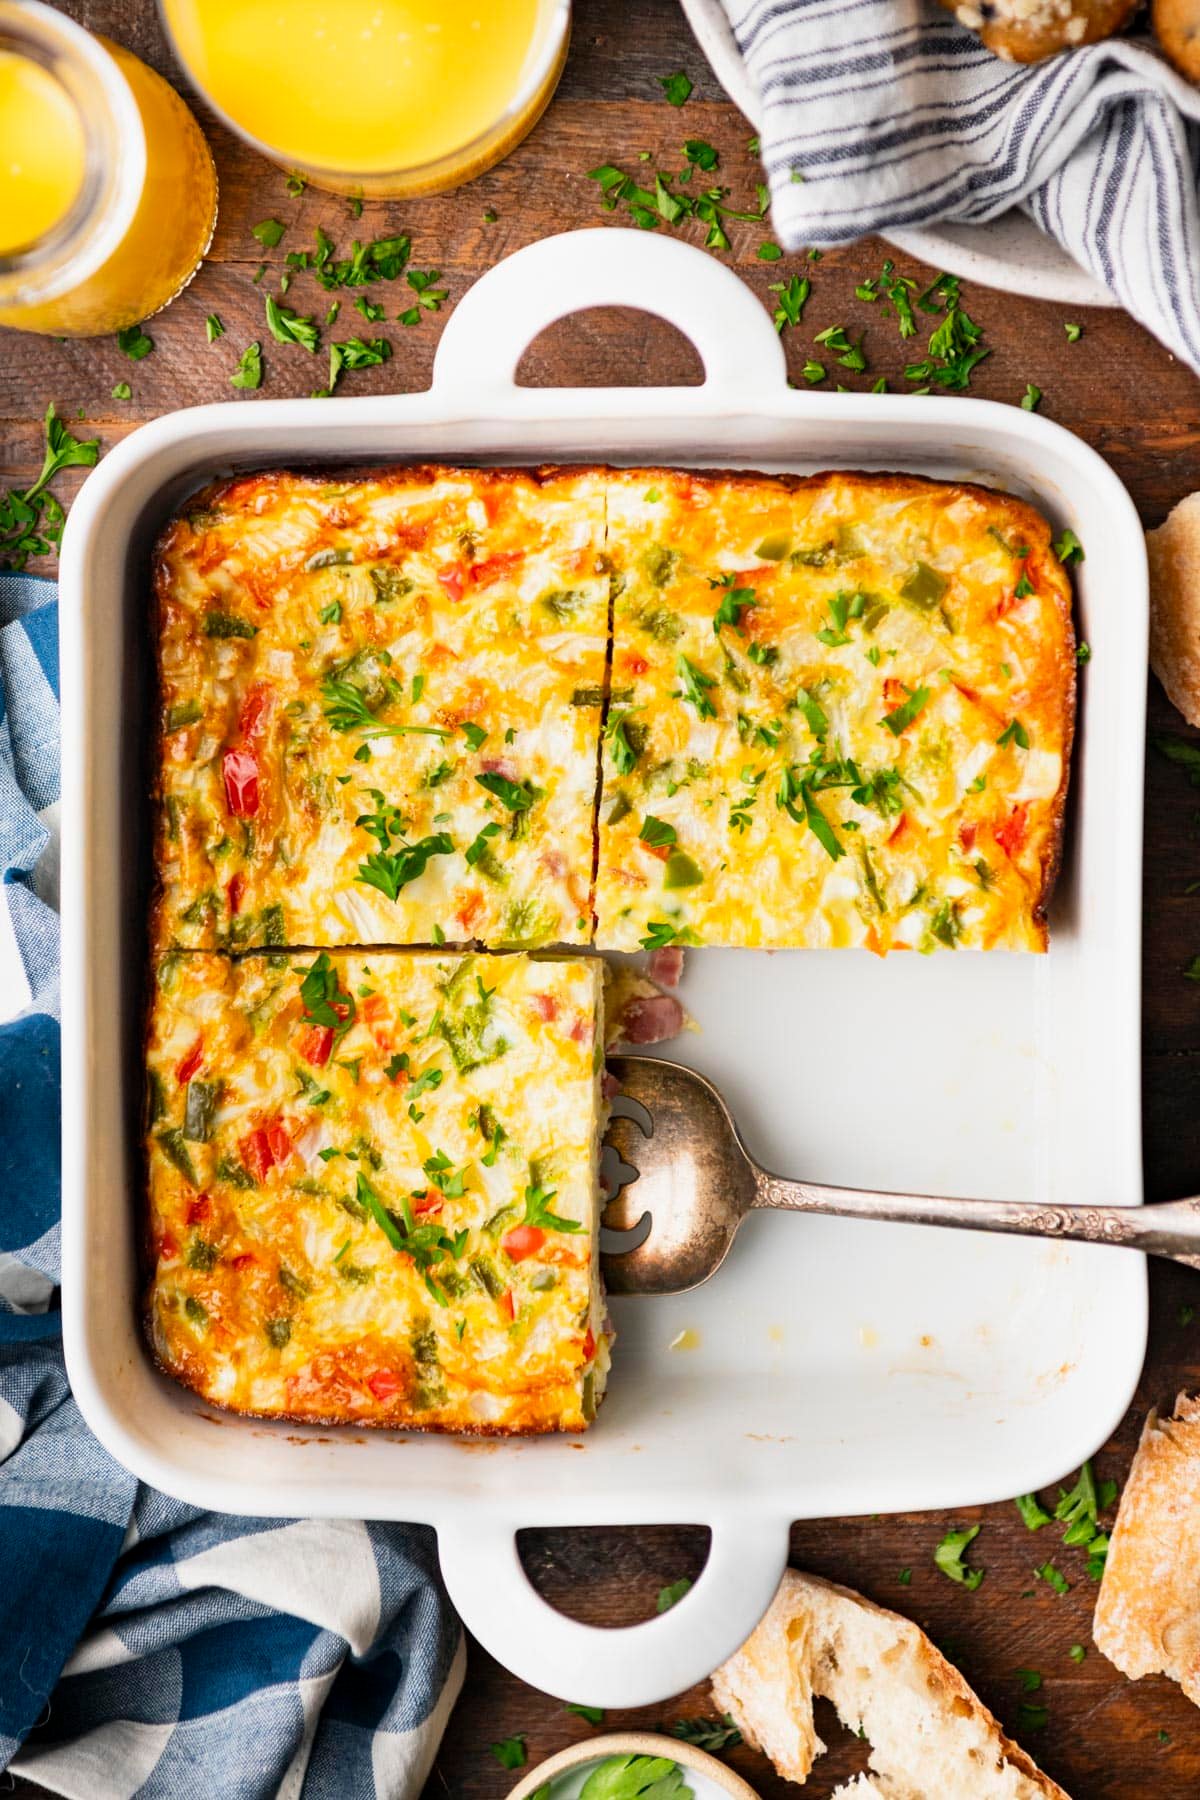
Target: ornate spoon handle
x: 1171, y: 1229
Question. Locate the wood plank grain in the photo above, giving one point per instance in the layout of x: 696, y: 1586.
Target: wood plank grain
x: 1121, y: 392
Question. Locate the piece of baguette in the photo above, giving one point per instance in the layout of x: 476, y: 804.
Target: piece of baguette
x: 1174, y: 551
x: 1148, y: 1611
x: 931, y: 1737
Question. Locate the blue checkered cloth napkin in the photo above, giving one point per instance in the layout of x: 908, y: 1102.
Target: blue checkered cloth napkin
x: 893, y: 114
x: 146, y: 1647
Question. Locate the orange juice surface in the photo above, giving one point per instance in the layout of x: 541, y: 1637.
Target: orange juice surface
x: 41, y: 152
x: 362, y: 85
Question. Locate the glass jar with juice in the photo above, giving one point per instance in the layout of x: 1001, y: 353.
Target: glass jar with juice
x: 108, y: 194
x: 376, y: 97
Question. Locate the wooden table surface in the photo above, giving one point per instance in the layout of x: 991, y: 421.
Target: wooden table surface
x: 1105, y: 1739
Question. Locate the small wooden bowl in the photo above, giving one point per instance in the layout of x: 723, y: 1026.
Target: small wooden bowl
x: 634, y: 1743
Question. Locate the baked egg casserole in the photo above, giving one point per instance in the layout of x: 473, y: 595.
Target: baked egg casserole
x: 380, y: 708
x: 840, y: 713
x: 373, y: 1187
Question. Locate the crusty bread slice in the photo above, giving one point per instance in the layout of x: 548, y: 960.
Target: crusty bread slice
x: 1174, y: 552
x: 1148, y: 1613
x: 931, y: 1736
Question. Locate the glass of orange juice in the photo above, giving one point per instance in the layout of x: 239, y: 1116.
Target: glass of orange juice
x: 108, y: 195
x: 376, y: 97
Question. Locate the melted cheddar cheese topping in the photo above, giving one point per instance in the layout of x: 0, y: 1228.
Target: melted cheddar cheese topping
x: 840, y: 713
x: 374, y: 1187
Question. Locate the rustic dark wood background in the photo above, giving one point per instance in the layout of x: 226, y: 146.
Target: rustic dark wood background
x: 1104, y: 1739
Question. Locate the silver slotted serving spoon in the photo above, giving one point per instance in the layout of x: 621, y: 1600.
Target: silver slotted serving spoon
x: 691, y: 1172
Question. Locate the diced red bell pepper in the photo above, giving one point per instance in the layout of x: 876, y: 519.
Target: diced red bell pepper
x: 254, y: 710
x: 506, y: 1305
x: 589, y: 1346
x: 385, y: 1384
x: 522, y: 1241
x: 280, y: 1140
x: 427, y: 1204
x: 316, y: 1044
x: 243, y: 1261
x: 453, y: 579
x: 1010, y: 835
x: 198, y: 1209
x: 266, y: 1146
x: 545, y: 1006
x: 240, y: 769
x: 191, y: 1062
x: 168, y: 1249
x: 235, y: 888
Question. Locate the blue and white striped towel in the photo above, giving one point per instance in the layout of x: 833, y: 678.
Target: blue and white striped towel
x: 896, y: 115
x: 145, y: 1647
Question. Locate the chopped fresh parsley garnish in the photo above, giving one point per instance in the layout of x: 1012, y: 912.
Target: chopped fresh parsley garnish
x: 626, y: 741
x: 1083, y: 653
x: 1074, y: 332
x: 949, y: 1557
x: 707, y: 1734
x: 660, y: 933
x: 1077, y: 1653
x: 700, y: 155
x: 1014, y: 733
x: 1180, y: 750
x: 1031, y: 1716
x: 518, y: 796
x: 288, y: 327
x: 695, y: 688
x: 954, y: 346
x: 510, y: 1752
x: 793, y: 787
x: 768, y: 252
x: 354, y: 353
x: 324, y: 1000
x: 670, y: 1596
x: 656, y: 831
x: 813, y: 371
x: 850, y: 355
x: 389, y: 871
x: 593, y: 1714
x: 429, y: 297
x: 537, y: 1210
x: 902, y: 716
x: 1031, y: 399
x: 676, y: 87
x: 1032, y: 1511
x: 31, y: 521
x: 213, y: 328
x: 1053, y: 1577
x: 474, y: 734
x: 248, y: 373
x: 269, y: 232
x: 122, y: 391
x: 793, y: 296
x: 734, y: 602
x: 1068, y: 548
x: 134, y: 343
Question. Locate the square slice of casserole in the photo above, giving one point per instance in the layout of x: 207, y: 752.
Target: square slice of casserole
x: 840, y: 714
x: 373, y: 1187
x: 380, y: 704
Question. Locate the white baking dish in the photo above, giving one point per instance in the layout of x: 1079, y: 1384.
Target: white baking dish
x: 840, y: 1368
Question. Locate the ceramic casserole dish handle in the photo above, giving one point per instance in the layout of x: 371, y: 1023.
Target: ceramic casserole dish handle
x: 479, y: 352
x: 497, y: 319
x: 632, y: 1665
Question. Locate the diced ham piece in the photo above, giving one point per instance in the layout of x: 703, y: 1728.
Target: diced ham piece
x: 651, y: 1019
x: 610, y: 1087
x: 666, y: 965
x: 499, y: 765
